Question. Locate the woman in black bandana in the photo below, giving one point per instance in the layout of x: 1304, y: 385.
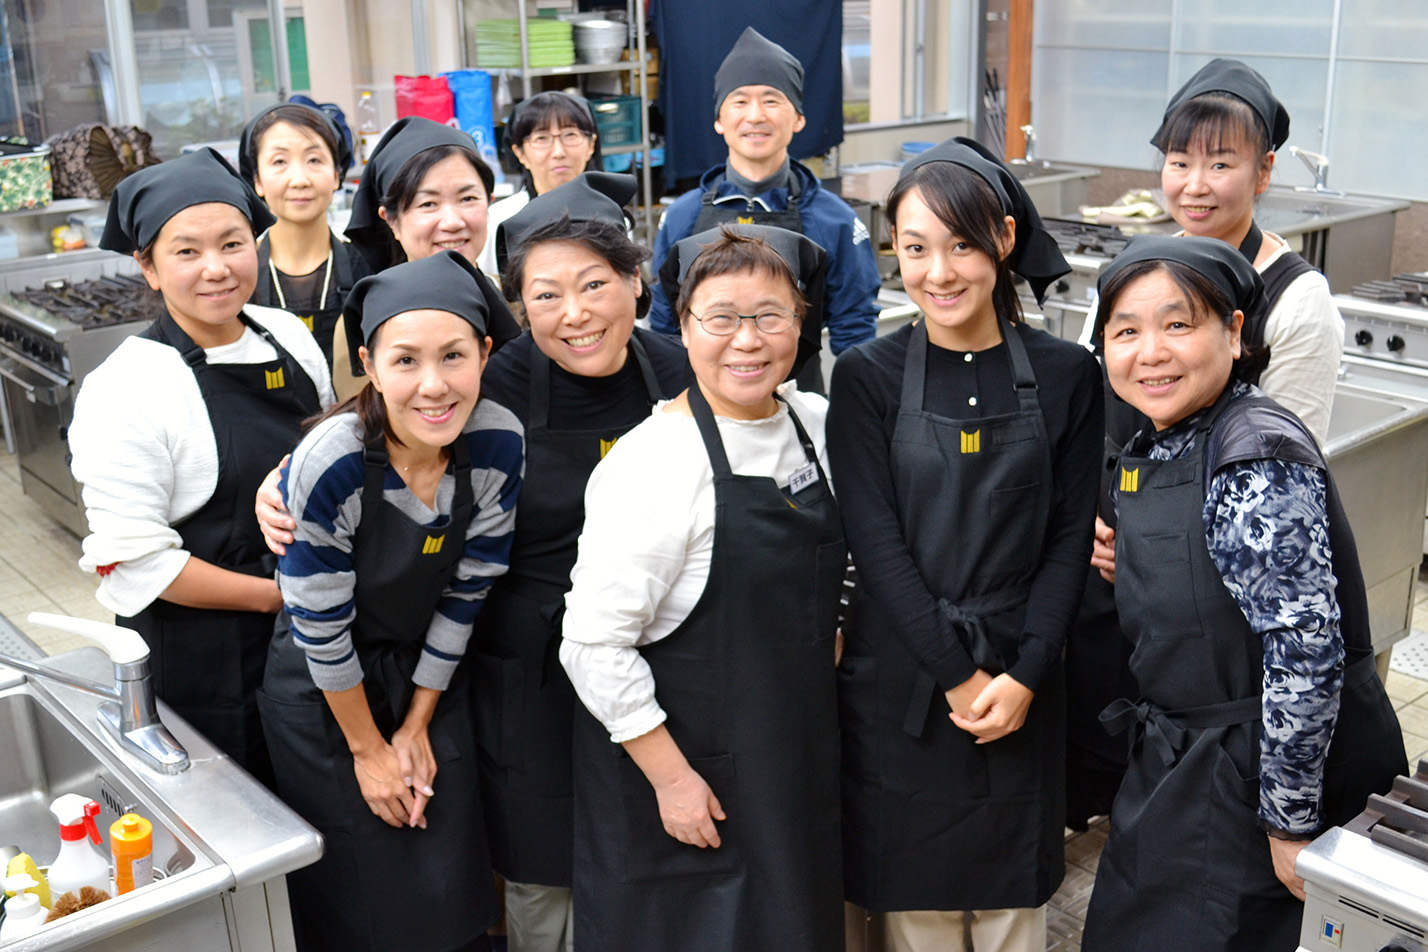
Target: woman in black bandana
x: 295, y: 157
x: 404, y: 498
x: 424, y: 190
x: 174, y: 431
x: 1259, y: 719
x: 973, y: 442
x: 1219, y: 137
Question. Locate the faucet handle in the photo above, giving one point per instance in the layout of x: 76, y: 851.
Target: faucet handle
x: 123, y: 645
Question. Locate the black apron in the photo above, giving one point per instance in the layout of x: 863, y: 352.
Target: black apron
x: 1097, y: 652
x: 933, y: 820
x: 377, y: 887
x: 322, y: 322
x: 1186, y: 866
x: 740, y: 210
x: 525, y: 706
x: 747, y: 684
x: 208, y: 663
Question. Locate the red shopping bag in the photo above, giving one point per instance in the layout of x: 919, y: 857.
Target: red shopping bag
x: 426, y: 96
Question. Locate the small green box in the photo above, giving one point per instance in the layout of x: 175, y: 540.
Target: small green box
x: 25, y: 179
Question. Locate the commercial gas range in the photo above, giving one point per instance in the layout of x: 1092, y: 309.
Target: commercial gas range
x: 59, y: 319
x: 1367, y: 882
x: 1088, y: 249
x: 1386, y: 338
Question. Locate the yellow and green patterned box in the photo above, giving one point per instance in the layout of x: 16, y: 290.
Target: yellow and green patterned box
x: 25, y: 179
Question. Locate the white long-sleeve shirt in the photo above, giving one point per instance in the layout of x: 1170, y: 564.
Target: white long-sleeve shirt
x: 144, y: 451
x: 1305, y: 335
x: 647, y: 544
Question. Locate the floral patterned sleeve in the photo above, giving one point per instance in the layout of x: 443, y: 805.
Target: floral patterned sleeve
x: 1266, y: 522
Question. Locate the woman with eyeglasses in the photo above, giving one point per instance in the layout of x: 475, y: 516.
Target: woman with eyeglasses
x: 553, y: 136
x: 699, y: 635
x: 579, y: 378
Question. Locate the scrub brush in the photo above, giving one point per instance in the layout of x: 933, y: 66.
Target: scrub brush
x: 69, y: 902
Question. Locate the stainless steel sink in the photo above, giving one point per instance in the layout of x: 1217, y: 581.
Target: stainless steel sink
x: 45, y: 760
x: 1348, y: 237
x: 1378, y: 452
x: 222, y: 842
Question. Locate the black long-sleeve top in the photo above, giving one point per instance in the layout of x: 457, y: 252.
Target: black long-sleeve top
x: 587, y: 403
x: 865, y: 396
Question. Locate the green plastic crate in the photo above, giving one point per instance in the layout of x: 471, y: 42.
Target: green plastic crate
x: 618, y: 119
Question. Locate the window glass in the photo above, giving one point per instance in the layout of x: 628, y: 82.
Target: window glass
x: 59, y: 51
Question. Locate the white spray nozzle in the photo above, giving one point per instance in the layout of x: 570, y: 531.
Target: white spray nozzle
x: 123, y: 645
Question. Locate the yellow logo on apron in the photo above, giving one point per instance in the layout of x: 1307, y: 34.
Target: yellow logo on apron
x: 306, y: 320
x: 1130, y: 480
x: 274, y: 379
x: 606, y: 446
x: 432, y: 545
x: 746, y: 219
x: 972, y: 442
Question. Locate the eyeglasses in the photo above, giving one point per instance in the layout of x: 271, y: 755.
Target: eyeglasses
x: 726, y: 323
x: 570, y: 138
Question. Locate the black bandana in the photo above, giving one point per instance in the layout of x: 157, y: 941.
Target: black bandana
x: 1219, y: 263
x: 444, y: 281
x: 805, y: 257
x: 590, y: 196
x: 402, y: 142
x: 758, y: 61
x: 248, y: 149
x: 1035, y: 256
x: 145, y: 201
x: 1237, y: 79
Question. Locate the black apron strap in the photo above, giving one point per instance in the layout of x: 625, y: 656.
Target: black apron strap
x: 1022, y: 376
x: 647, y: 372
x: 1254, y: 240
x: 263, y: 290
x: 914, y: 376
x: 709, y: 430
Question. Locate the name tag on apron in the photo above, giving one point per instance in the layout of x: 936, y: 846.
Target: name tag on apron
x: 803, y: 477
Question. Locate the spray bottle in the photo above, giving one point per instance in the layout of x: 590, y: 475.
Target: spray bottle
x: 77, y: 865
x: 23, y: 913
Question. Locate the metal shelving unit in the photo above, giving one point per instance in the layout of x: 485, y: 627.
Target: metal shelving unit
x: 636, y: 50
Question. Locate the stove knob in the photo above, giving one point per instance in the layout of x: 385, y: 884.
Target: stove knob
x: 1395, y: 344
x: 1363, y: 338
x: 1393, y: 948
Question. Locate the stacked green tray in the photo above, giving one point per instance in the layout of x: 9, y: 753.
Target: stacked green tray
x: 498, y: 43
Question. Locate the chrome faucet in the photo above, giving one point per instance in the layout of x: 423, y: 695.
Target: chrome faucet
x: 1030, y: 150
x: 128, y: 713
x: 1318, y: 166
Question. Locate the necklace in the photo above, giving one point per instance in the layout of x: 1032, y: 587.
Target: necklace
x: 278, y: 285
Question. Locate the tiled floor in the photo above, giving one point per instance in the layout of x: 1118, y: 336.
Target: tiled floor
x: 39, y: 572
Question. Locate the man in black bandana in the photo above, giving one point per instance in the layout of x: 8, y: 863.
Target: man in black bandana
x: 758, y: 103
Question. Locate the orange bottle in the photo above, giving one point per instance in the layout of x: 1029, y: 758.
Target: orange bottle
x: 131, y: 839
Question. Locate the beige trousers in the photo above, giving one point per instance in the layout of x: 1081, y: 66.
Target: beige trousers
x: 538, y: 918
x: 983, y: 930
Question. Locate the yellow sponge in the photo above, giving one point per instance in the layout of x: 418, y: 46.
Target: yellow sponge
x: 24, y: 863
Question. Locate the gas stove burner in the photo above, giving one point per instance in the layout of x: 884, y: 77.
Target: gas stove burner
x: 1402, y: 288
x: 1078, y: 237
x: 1386, y: 291
x: 120, y: 299
x: 1399, y: 821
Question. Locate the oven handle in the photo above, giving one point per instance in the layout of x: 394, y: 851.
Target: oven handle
x: 48, y: 395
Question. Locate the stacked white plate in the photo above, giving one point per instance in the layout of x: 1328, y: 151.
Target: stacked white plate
x: 600, y: 41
